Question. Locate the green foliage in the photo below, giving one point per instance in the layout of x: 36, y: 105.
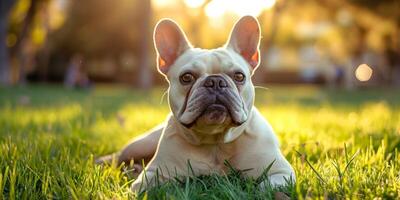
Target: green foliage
x: 342, y: 145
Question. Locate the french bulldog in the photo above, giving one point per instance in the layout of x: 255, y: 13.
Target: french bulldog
x: 213, y: 118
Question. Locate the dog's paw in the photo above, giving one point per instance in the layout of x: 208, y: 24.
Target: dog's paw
x: 137, y: 186
x: 281, y: 196
x: 133, y: 170
x: 107, y: 160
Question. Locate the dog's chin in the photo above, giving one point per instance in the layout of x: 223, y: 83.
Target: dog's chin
x: 214, y: 114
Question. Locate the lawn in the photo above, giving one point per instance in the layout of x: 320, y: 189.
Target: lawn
x: 341, y: 144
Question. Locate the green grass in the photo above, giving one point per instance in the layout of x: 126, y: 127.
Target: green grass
x: 341, y: 144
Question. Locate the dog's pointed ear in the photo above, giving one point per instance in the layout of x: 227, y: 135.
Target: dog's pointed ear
x: 245, y: 40
x: 170, y: 42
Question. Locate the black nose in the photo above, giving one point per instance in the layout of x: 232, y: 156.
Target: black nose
x: 215, y: 81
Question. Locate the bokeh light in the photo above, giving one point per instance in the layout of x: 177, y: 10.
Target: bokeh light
x: 194, y: 3
x: 363, y: 72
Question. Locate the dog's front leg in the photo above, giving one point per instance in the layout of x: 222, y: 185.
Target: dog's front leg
x: 280, y: 173
x: 151, y: 176
x: 140, y: 148
x: 270, y: 158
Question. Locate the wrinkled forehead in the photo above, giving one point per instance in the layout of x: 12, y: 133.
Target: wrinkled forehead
x: 214, y: 61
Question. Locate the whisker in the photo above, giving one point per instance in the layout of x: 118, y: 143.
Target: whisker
x: 260, y: 87
x: 163, y: 96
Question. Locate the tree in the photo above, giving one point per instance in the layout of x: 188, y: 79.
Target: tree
x: 144, y: 75
x: 16, y: 51
x: 5, y: 7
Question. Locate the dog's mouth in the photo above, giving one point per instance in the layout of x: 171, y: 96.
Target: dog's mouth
x: 212, y: 110
x: 213, y: 114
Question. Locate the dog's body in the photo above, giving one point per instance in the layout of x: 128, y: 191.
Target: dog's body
x: 213, y: 118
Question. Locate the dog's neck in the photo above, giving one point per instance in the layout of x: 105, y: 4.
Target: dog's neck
x: 195, y: 138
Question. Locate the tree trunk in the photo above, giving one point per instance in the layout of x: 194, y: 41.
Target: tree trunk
x: 5, y: 7
x: 4, y: 63
x: 144, y: 76
x: 17, y: 49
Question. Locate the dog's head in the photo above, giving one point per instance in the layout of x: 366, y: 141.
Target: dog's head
x: 210, y: 90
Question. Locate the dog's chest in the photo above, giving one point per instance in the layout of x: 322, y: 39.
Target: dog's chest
x: 211, y: 159
x: 217, y: 157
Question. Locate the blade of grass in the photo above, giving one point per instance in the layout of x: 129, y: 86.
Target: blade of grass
x: 310, y: 165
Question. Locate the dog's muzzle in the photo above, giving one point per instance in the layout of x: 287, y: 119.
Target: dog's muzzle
x: 214, y: 102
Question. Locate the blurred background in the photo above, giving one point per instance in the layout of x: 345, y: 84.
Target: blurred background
x: 338, y: 43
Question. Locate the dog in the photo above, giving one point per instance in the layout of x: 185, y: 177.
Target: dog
x: 213, y: 118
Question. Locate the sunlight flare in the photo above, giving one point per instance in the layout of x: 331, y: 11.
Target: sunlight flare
x: 194, y: 3
x: 164, y: 3
x: 363, y: 72
x: 218, y: 8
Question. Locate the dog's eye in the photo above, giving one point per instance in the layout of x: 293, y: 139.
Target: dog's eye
x: 239, y: 77
x: 187, y: 78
